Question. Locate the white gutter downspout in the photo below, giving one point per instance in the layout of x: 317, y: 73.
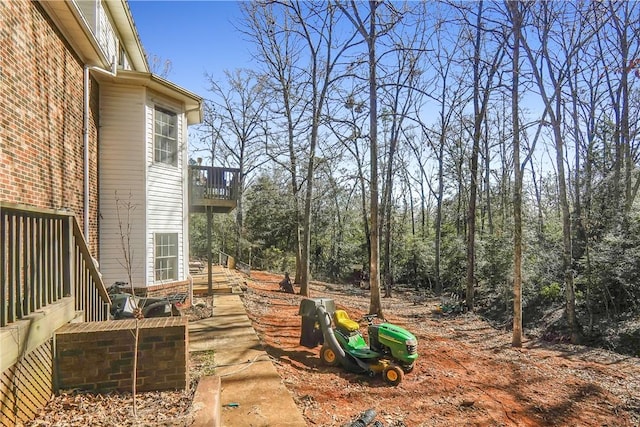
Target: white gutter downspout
x: 85, y: 137
x: 85, y: 144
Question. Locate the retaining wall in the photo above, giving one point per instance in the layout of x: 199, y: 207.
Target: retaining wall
x: 98, y: 356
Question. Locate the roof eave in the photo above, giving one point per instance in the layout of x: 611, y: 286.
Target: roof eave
x: 191, y: 101
x: 69, y: 20
x: 123, y: 20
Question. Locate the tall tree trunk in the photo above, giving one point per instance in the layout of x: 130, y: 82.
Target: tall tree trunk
x: 473, y: 188
x: 487, y: 184
x: 538, y: 196
x: 365, y: 215
x: 567, y: 252
x: 375, y: 306
x: 581, y: 237
x: 387, y: 273
x: 625, y: 136
x: 293, y: 160
x: 438, y: 220
x: 423, y: 208
x: 553, y: 107
x: 306, y: 231
x: 369, y: 35
x: 480, y: 105
x: 516, y: 21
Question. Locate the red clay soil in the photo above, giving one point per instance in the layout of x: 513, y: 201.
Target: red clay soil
x: 467, y: 373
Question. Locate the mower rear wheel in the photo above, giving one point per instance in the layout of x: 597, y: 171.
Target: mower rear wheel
x: 328, y: 356
x: 393, y: 374
x: 407, y: 368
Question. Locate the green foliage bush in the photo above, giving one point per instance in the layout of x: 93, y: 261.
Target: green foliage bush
x: 552, y: 292
x: 274, y: 259
x: 413, y: 261
x: 494, y: 265
x: 222, y: 235
x: 453, y: 271
x: 611, y: 278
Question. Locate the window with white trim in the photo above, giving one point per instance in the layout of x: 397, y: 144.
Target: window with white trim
x: 166, y: 256
x: 165, y: 137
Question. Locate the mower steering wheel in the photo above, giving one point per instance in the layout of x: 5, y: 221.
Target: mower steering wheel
x: 369, y: 317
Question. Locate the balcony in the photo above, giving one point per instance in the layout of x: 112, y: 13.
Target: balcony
x: 213, y: 188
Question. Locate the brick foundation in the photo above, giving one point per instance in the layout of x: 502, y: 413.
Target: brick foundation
x: 98, y: 356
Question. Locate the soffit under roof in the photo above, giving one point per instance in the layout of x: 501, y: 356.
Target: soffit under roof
x: 191, y: 101
x: 70, y: 21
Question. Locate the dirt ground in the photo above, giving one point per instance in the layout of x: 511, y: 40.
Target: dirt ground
x: 467, y: 373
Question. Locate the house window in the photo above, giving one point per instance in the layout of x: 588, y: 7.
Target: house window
x: 165, y: 137
x: 166, y: 256
x: 123, y: 64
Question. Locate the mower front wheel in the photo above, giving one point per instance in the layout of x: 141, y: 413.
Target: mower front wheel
x: 393, y: 374
x: 328, y: 356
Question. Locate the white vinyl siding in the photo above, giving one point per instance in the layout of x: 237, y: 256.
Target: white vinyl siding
x: 155, y: 192
x: 122, y: 154
x: 167, y: 210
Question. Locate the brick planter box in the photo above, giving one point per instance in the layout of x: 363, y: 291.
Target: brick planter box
x: 98, y: 356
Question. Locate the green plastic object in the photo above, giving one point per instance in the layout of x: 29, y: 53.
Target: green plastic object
x: 231, y: 405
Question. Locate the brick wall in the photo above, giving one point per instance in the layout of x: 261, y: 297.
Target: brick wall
x: 41, y: 116
x: 98, y: 356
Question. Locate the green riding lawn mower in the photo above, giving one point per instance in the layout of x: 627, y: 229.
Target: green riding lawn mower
x: 391, y: 350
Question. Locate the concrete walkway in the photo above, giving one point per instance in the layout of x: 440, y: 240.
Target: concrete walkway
x: 252, y: 392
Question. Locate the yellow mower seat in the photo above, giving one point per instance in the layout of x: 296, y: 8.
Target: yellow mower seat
x: 344, y: 322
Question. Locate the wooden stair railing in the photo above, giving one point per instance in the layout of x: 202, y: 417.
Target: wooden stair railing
x: 44, y: 258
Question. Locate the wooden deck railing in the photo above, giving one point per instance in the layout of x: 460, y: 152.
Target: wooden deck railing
x: 44, y: 258
x: 213, y: 183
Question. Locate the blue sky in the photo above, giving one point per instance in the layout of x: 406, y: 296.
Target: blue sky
x: 196, y: 36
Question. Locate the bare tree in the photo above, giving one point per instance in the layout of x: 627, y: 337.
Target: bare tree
x: 399, y: 95
x: 619, y: 44
x: 560, y: 38
x: 367, y: 27
x: 515, y: 15
x: 240, y: 105
x: 159, y: 66
x: 588, y: 101
x: 347, y: 123
x: 278, y: 50
x: 483, y: 85
x: 314, y: 26
x: 124, y: 209
x: 450, y: 95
